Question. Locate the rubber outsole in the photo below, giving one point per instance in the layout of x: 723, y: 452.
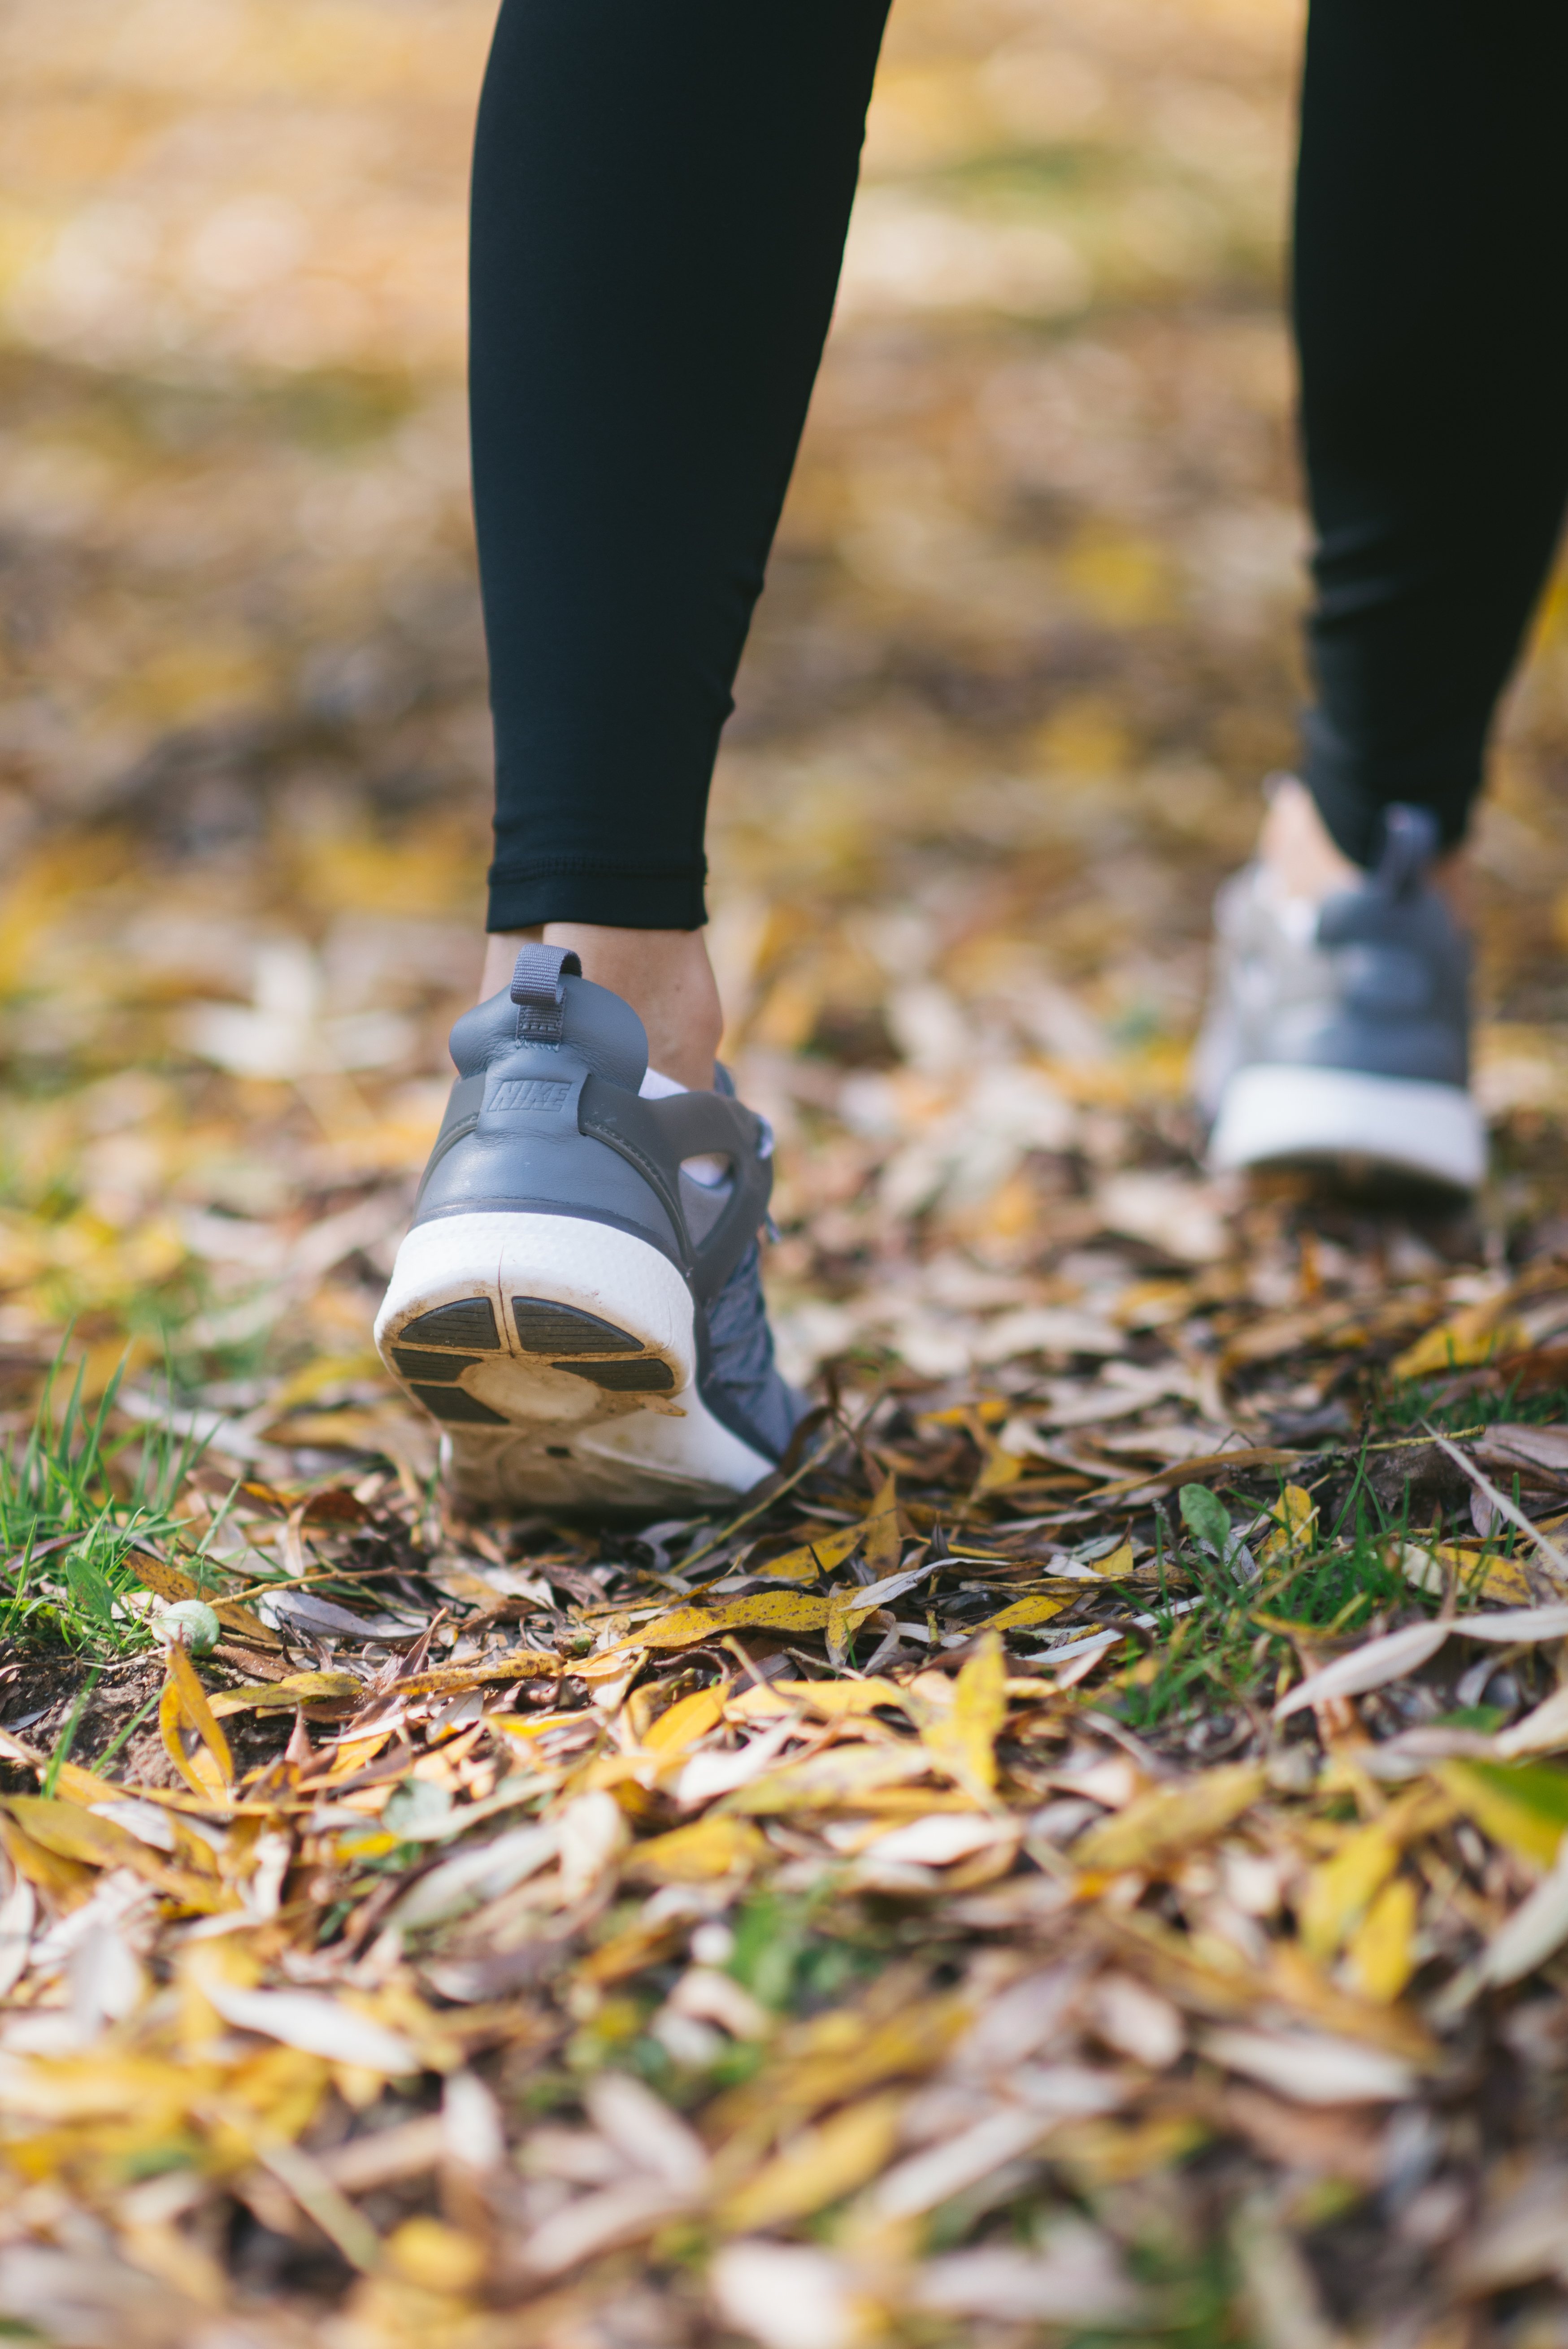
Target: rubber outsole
x: 1276, y: 1115
x: 559, y: 1357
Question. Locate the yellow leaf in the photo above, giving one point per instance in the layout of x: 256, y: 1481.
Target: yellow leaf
x: 185, y: 1699
x: 436, y: 2258
x: 1022, y: 1611
x: 764, y: 1610
x: 1116, y: 1567
x: 456, y: 1679
x: 962, y: 1742
x: 1473, y: 1335
x: 1160, y: 1826
x: 1382, y: 1951
x: 1340, y: 1891
x: 686, y: 1721
x: 75, y: 1786
x: 884, y: 1541
x: 1002, y: 1468
x: 354, y: 1752
x: 1295, y: 1517
x: 840, y: 2054
x: 79, y: 1835
x: 840, y: 1700
x: 282, y: 1696
x: 694, y: 1855
x: 840, y: 1777
x: 170, y: 1721
x: 818, y: 2168
x: 814, y: 1557
x: 1524, y: 1805
x: 67, y: 1882
x: 990, y: 1411
x: 1504, y: 1582
x: 1099, y: 2154
x: 98, y: 2086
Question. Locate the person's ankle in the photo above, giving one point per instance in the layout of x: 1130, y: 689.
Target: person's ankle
x: 664, y: 974
x: 1296, y: 849
x: 1299, y: 854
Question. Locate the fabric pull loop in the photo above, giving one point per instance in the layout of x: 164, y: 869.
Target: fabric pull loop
x: 539, y: 992
x: 1409, y: 844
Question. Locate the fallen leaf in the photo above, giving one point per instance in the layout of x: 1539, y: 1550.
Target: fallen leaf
x: 282, y: 1696
x: 1382, y: 1950
x: 1160, y: 1826
x: 711, y: 1847
x: 962, y: 1742
x: 1023, y: 1611
x: 819, y: 2167
x: 1371, y: 1666
x: 184, y: 1700
x: 316, y: 2024
x: 1313, y: 2070
x: 789, y: 2296
x: 1521, y: 1804
x: 689, y: 1718
x: 840, y: 1776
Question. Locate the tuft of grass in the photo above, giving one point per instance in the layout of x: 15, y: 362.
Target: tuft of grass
x: 1452, y: 1401
x: 1224, y: 1651
x: 69, y: 1517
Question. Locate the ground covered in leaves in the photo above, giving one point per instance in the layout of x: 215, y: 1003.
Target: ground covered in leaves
x: 1075, y: 1857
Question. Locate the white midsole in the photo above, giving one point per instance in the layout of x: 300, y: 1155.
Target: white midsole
x: 565, y: 1441
x: 1273, y: 1111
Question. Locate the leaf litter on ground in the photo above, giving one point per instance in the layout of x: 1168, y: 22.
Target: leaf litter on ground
x: 1080, y: 1856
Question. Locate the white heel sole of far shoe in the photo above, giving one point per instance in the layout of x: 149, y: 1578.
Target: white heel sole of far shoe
x: 1279, y: 1115
x: 559, y: 1356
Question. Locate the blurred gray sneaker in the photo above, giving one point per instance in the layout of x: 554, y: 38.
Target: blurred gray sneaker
x: 1337, y: 1034
x: 579, y: 1303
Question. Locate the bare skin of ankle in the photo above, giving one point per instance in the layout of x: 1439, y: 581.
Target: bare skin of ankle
x: 664, y: 974
x: 1297, y: 847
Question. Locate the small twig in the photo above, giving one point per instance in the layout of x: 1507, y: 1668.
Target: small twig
x: 1505, y: 1507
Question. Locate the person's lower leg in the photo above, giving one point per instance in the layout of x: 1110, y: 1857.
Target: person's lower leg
x: 659, y: 204
x: 1434, y: 401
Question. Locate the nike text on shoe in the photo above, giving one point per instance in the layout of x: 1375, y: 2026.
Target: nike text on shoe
x: 1337, y: 1036
x: 583, y: 1317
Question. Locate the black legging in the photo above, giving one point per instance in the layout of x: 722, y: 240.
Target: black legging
x: 660, y: 194
x: 1433, y: 335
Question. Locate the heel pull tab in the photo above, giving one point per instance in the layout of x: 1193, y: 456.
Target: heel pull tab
x: 539, y: 992
x: 1409, y: 844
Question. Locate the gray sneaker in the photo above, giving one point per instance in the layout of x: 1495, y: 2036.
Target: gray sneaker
x: 1337, y: 1036
x: 583, y: 1317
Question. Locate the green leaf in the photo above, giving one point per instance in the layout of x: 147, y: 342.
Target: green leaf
x: 88, y: 1584
x: 1206, y: 1519
x: 1523, y: 1805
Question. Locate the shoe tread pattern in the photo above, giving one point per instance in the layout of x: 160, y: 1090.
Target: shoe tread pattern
x: 446, y: 1368
x: 545, y: 1327
x: 456, y: 1406
x: 467, y: 1322
x: 648, y: 1376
